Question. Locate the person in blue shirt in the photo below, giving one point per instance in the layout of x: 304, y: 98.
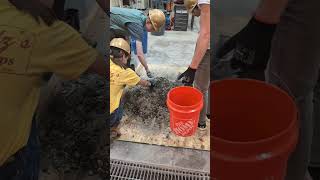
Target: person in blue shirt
x: 126, y: 22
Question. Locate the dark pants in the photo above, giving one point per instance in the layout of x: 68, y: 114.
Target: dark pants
x: 116, y: 116
x: 294, y: 66
x: 202, y: 82
x: 26, y: 162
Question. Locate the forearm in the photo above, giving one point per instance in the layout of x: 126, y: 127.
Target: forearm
x: 203, y: 38
x: 201, y: 49
x: 140, y: 55
x: 144, y: 83
x: 269, y: 11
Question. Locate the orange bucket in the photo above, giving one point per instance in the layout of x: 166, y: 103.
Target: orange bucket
x: 184, y: 104
x: 254, y: 131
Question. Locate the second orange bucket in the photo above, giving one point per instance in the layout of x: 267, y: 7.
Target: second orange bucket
x: 255, y: 129
x: 185, y: 104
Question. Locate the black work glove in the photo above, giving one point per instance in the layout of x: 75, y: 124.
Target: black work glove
x: 152, y: 83
x: 188, y: 76
x: 251, y: 45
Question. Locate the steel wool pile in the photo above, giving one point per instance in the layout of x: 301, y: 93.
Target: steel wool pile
x: 73, y: 137
x: 145, y: 105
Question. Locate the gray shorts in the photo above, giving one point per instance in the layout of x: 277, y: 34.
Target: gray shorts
x: 294, y: 66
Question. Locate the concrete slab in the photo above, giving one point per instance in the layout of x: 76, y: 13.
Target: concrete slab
x: 170, y: 54
x: 230, y: 16
x: 160, y: 155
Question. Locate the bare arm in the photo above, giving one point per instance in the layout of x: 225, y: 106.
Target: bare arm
x: 144, y: 83
x: 99, y: 67
x: 203, y: 38
x: 141, y: 55
x: 269, y: 11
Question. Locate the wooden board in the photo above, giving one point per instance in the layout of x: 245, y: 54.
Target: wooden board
x: 133, y: 131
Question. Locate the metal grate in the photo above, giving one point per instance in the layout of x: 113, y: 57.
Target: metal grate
x: 123, y: 170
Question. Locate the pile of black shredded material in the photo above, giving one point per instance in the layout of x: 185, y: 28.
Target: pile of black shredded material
x: 75, y: 136
x: 145, y: 105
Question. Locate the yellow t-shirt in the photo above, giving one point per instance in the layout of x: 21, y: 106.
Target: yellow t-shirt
x: 119, y: 79
x: 27, y: 51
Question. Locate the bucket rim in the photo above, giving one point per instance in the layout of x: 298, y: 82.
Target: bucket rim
x: 293, y: 123
x: 188, y: 87
x: 253, y: 81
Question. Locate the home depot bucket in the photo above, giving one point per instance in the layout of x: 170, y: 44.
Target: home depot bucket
x: 184, y: 104
x: 254, y: 130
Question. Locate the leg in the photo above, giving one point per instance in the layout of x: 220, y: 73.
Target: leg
x: 26, y: 163
x: 116, y: 116
x: 201, y: 82
x: 115, y: 119
x: 294, y: 66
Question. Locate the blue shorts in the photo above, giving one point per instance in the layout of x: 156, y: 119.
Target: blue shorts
x: 26, y: 162
x: 116, y: 116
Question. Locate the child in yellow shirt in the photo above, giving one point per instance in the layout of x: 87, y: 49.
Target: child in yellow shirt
x: 120, y: 77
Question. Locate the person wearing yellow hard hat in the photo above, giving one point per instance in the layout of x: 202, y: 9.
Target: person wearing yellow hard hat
x: 120, y: 77
x: 198, y: 72
x: 126, y: 22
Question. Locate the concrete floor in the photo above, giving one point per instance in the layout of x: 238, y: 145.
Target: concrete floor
x: 167, y: 56
x: 230, y: 16
x: 170, y: 54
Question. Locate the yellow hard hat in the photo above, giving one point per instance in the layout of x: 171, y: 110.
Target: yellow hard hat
x: 190, y: 5
x: 157, y: 18
x: 121, y: 44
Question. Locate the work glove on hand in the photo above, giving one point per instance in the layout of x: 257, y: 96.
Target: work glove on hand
x: 188, y: 76
x: 152, y: 83
x: 149, y: 74
x: 251, y: 45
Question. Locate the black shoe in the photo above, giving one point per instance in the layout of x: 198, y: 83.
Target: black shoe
x: 314, y: 172
x: 202, y: 126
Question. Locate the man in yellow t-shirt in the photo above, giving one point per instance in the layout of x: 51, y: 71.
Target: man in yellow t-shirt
x: 33, y: 43
x: 120, y: 77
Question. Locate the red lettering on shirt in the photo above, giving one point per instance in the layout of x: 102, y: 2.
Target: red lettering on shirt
x: 25, y: 44
x: 6, y: 61
x: 5, y: 41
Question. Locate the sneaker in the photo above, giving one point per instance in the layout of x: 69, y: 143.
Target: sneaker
x: 308, y: 176
x: 149, y: 74
x: 202, y: 127
x: 115, y: 132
